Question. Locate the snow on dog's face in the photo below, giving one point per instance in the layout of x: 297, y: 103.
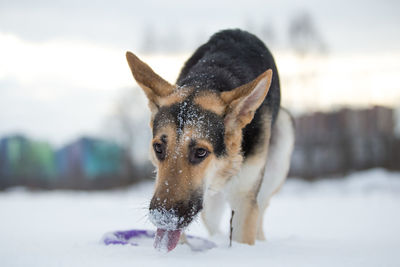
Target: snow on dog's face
x: 187, y: 140
x: 196, y: 143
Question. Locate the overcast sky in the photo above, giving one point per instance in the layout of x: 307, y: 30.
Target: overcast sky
x: 358, y: 25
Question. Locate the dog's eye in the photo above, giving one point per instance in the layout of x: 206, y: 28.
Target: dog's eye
x: 198, y: 155
x: 159, y: 149
x: 201, y: 152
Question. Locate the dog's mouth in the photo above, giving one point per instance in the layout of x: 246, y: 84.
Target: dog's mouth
x: 170, y: 224
x: 171, y: 218
x: 169, y: 227
x: 166, y: 240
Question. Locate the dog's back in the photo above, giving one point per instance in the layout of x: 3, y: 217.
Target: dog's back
x: 228, y: 60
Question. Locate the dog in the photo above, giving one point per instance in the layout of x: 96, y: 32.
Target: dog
x: 219, y: 135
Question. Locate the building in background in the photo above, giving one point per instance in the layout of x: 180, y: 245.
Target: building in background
x: 89, y: 162
x: 347, y: 140
x: 27, y: 162
x: 86, y: 163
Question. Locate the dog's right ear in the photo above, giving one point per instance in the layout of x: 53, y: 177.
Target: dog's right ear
x: 153, y: 85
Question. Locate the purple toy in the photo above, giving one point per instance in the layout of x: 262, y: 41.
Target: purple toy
x: 146, y: 238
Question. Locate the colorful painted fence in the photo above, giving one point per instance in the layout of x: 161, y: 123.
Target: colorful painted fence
x: 80, y: 164
x: 25, y: 161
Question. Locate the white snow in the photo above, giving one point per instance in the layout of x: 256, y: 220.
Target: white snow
x: 165, y: 219
x: 339, y: 222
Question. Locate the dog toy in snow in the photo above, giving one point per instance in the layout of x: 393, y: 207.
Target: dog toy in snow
x: 147, y: 237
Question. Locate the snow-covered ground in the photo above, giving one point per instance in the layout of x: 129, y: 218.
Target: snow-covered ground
x: 339, y: 222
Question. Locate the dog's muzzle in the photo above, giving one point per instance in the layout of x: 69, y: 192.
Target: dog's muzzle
x: 171, y: 218
x: 176, y: 215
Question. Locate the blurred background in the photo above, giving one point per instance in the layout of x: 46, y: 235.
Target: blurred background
x: 71, y: 115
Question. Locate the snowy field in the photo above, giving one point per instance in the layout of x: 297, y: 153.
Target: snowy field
x: 340, y: 222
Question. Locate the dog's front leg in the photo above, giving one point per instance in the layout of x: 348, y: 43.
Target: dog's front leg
x: 244, y: 222
x: 242, y: 197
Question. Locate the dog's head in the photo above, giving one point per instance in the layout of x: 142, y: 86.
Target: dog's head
x: 196, y: 142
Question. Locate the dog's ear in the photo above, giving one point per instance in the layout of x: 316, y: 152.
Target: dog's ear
x: 243, y: 101
x: 152, y: 84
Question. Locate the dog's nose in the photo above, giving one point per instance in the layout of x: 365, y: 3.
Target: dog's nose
x: 175, y: 215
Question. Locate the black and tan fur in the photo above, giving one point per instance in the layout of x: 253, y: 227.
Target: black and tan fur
x: 219, y: 135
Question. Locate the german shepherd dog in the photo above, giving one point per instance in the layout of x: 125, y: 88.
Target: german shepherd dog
x: 219, y: 135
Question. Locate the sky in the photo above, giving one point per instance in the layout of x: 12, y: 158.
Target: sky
x: 62, y: 65
x: 356, y: 25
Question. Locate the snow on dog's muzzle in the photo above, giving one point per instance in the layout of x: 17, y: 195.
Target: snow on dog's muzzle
x: 170, y: 222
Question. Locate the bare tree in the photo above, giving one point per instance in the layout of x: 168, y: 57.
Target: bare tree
x: 128, y: 124
x: 149, y: 39
x: 304, y: 36
x: 172, y: 40
x: 308, y: 45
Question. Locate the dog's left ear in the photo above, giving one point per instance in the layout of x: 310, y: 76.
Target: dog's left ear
x: 152, y: 84
x: 243, y: 101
